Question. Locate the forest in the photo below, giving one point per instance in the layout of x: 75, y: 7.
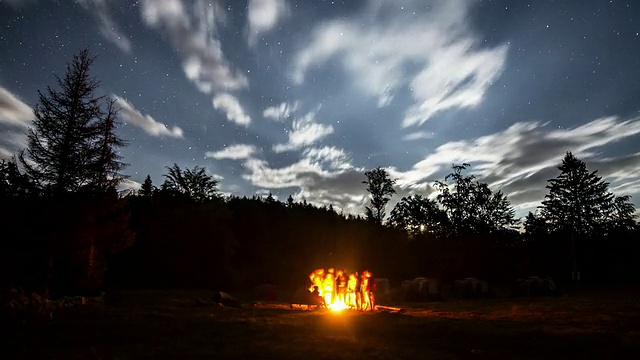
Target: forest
x: 68, y: 230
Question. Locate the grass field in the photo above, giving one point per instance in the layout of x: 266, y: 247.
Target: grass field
x: 178, y: 325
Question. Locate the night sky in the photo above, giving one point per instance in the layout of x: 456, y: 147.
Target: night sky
x: 301, y: 97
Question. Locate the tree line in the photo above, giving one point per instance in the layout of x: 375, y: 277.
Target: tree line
x: 68, y: 230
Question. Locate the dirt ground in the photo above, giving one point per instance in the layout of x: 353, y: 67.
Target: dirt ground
x: 176, y: 324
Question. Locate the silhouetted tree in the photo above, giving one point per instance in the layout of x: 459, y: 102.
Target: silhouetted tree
x: 471, y: 206
x: 622, y: 214
x: 72, y: 143
x: 418, y: 215
x: 194, y: 183
x: 577, y: 203
x: 147, y: 189
x: 107, y: 164
x: 12, y: 182
x: 535, y: 226
x: 577, y: 200
x: 380, y: 187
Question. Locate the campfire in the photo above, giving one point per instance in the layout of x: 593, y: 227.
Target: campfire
x: 339, y: 290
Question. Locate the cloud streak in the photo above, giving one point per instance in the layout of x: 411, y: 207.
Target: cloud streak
x: 433, y: 54
x: 233, y: 152
x: 13, y: 111
x: 146, y: 122
x: 230, y: 105
x: 108, y: 27
x: 304, y: 132
x: 193, y: 36
x: 281, y: 112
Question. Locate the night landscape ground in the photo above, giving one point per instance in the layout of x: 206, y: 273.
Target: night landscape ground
x: 178, y: 324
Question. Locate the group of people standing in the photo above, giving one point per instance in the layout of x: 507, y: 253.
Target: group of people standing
x: 353, y: 290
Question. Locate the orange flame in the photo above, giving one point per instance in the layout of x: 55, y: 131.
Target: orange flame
x: 340, y: 290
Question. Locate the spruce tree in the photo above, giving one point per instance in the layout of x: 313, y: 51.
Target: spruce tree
x: 578, y: 200
x: 72, y: 143
x: 107, y: 165
x: 577, y: 204
x: 147, y: 189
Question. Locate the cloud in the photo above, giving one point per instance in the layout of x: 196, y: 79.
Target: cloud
x: 418, y: 135
x: 304, y: 132
x: 231, y: 106
x: 11, y: 142
x: 336, y: 158
x: 193, y: 36
x: 322, y: 176
x: 146, y: 122
x: 281, y: 112
x: 108, y: 28
x: 520, y: 159
x: 433, y: 54
x: 13, y: 111
x: 263, y: 15
x: 233, y: 152
x: 5, y: 154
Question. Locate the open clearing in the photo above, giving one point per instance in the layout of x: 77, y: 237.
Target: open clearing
x: 178, y: 325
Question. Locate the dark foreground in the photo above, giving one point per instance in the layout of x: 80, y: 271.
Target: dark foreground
x: 179, y: 325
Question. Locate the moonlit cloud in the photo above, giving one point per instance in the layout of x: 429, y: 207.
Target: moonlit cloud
x: 108, y: 27
x: 233, y: 152
x: 418, y: 135
x: 263, y: 15
x: 193, y: 36
x: 322, y: 176
x: 230, y: 105
x: 13, y: 111
x: 281, y: 112
x: 11, y: 142
x: 146, y: 122
x: 432, y: 54
x: 304, y: 131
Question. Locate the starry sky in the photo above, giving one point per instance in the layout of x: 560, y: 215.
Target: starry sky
x: 301, y: 97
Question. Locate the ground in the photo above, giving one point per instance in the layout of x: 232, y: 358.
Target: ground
x: 178, y: 324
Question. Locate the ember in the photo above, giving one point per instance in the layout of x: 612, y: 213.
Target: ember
x: 340, y: 290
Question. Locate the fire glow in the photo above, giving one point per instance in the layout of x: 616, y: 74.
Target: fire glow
x: 339, y: 290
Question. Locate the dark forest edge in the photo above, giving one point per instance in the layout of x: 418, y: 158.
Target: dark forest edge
x: 67, y: 230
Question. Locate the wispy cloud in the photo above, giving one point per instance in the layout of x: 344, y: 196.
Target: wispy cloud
x: 108, y: 27
x: 418, y: 135
x: 232, y: 108
x: 304, y: 132
x: 433, y: 54
x: 192, y: 33
x: 281, y: 112
x: 322, y: 176
x: 145, y: 122
x: 13, y: 111
x: 11, y: 142
x: 233, y: 152
x: 263, y: 15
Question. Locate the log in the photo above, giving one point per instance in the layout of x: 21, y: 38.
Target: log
x: 388, y: 308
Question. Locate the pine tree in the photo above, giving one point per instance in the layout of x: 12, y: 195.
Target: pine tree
x: 578, y: 200
x: 577, y: 204
x: 107, y: 164
x: 147, y: 189
x: 72, y: 144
